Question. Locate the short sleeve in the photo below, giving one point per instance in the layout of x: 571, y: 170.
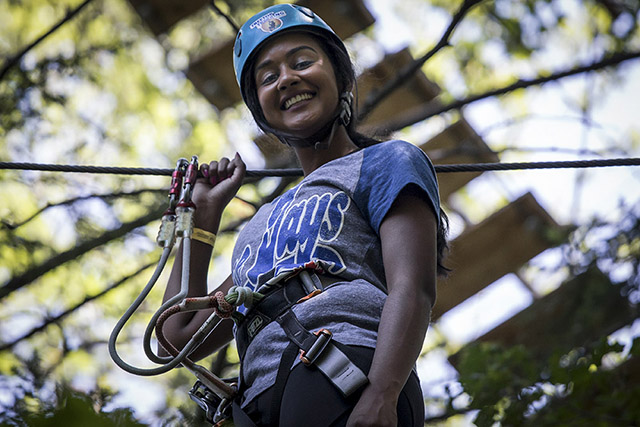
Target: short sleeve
x: 387, y: 169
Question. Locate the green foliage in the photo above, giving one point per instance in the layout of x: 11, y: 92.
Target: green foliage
x: 510, y: 387
x: 499, y: 382
x: 76, y: 409
x: 590, y: 384
x: 39, y: 401
x: 71, y: 408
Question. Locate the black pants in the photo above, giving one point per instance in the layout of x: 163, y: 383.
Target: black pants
x: 311, y: 400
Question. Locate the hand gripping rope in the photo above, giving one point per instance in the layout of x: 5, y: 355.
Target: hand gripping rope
x: 210, y: 392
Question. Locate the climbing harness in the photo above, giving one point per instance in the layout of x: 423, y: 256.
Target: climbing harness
x: 271, y: 302
x: 314, y: 348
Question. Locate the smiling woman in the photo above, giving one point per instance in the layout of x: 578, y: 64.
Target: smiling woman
x: 346, y: 260
x: 296, y: 85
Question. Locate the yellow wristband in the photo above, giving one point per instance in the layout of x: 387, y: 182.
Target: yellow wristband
x: 203, y: 236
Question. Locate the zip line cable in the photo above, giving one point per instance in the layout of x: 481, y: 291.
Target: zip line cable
x: 262, y: 173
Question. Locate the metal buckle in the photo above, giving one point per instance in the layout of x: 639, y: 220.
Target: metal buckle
x: 323, y: 337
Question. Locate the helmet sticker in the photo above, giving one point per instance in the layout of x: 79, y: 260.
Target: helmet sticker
x: 269, y: 22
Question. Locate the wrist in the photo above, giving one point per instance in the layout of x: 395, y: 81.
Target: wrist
x: 203, y: 236
x: 207, y: 219
x: 386, y: 391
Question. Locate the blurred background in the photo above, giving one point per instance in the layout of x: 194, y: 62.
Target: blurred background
x: 536, y: 324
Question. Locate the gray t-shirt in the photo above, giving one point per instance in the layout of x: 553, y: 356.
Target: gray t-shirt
x: 331, y: 218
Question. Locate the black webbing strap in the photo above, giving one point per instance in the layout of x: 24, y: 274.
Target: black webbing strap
x: 284, y: 369
x: 240, y: 418
x: 271, y: 306
x: 294, y: 330
x: 333, y: 363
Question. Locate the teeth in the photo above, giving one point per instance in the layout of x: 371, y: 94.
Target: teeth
x: 296, y: 99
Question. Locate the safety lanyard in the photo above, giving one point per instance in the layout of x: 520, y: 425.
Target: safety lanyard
x: 177, y: 222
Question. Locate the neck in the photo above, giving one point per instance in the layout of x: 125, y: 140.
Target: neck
x: 311, y: 159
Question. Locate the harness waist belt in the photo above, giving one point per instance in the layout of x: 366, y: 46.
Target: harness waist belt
x: 315, y: 348
x: 275, y: 303
x: 336, y: 366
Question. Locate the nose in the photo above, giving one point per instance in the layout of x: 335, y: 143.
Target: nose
x: 288, y: 77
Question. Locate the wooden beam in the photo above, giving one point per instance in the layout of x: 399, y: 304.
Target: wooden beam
x: 161, y: 15
x: 499, y: 245
x: 458, y: 143
x: 212, y: 73
x: 417, y: 91
x: 581, y: 311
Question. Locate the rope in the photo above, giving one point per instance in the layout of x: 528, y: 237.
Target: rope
x: 261, y: 173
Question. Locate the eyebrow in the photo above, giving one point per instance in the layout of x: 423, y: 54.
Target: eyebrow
x: 292, y: 52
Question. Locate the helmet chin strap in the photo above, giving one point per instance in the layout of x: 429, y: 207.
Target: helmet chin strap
x: 323, y: 137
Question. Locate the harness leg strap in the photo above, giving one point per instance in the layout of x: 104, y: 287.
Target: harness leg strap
x: 333, y: 363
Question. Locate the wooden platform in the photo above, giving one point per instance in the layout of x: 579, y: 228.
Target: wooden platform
x: 499, y: 245
x: 416, y: 91
x: 161, y: 15
x: 579, y: 312
x: 458, y: 143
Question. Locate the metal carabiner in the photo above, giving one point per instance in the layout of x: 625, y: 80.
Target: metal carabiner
x: 222, y: 412
x: 216, y: 408
x: 176, y: 183
x: 189, y: 181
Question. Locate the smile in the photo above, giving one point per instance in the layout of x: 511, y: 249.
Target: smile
x: 294, y: 100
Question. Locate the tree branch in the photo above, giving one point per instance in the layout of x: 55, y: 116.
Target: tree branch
x: 59, y: 317
x: 16, y: 58
x: 32, y: 274
x: 212, y: 3
x: 420, y: 113
x: 403, y: 76
x: 71, y: 201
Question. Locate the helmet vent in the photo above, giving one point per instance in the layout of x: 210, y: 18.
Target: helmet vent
x: 305, y: 10
x: 237, y: 48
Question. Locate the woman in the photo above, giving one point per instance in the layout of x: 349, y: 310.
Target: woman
x: 352, y: 251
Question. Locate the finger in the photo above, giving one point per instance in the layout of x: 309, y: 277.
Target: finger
x: 231, y: 167
x: 222, y: 168
x: 242, y: 167
x: 239, y: 168
x: 213, y: 173
x: 204, y: 170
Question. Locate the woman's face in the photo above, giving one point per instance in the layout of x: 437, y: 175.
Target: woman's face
x: 296, y: 84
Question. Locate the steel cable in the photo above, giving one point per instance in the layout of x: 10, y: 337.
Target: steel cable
x: 262, y: 173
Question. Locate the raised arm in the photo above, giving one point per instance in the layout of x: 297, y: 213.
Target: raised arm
x: 408, y: 236
x: 211, y: 195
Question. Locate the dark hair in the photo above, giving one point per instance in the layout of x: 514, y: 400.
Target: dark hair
x: 346, y: 79
x: 442, y: 246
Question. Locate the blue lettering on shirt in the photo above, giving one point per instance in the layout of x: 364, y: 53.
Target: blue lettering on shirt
x: 298, y: 231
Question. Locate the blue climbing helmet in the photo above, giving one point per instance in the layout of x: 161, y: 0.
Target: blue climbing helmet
x: 266, y: 24
x: 291, y: 17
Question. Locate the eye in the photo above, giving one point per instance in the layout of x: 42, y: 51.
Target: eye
x: 267, y: 78
x: 302, y: 64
